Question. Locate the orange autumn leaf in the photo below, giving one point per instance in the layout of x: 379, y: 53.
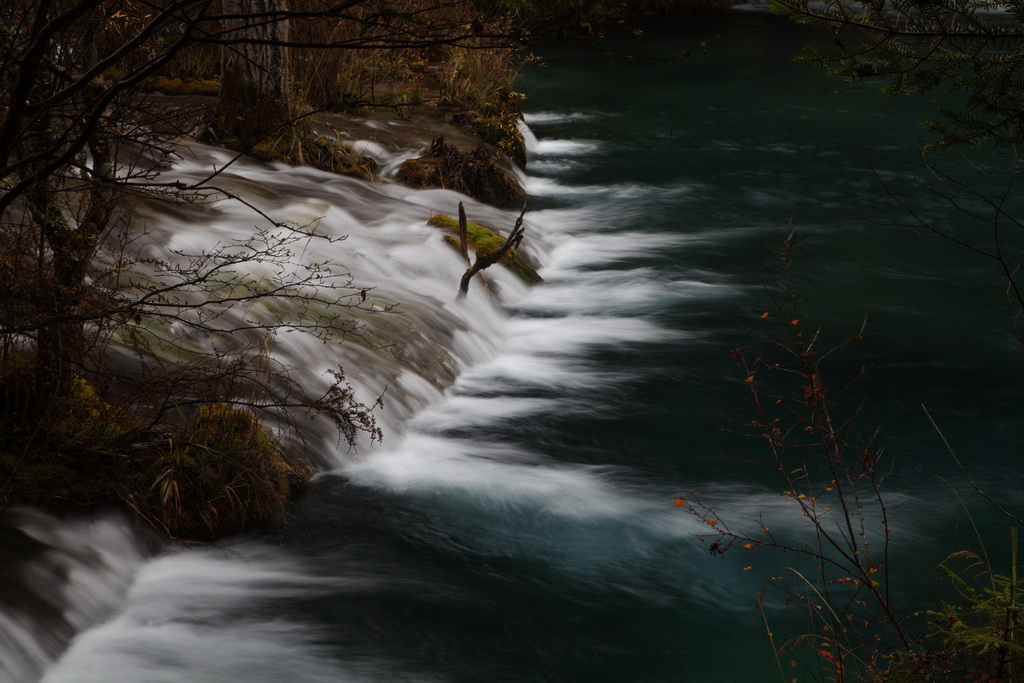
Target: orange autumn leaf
x: 679, y: 503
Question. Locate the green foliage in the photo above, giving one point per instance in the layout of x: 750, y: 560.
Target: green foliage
x: 500, y: 127
x: 976, y: 638
x: 76, y: 419
x: 483, y: 240
x: 213, y: 472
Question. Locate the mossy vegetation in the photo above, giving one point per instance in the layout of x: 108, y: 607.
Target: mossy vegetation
x: 215, y: 472
x: 483, y: 240
x: 302, y: 145
x: 501, y: 129
x: 46, y: 441
x: 495, y: 117
x: 976, y: 637
x: 221, y: 473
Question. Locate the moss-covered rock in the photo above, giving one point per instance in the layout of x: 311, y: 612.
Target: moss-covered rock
x: 478, y: 173
x: 303, y: 146
x: 483, y: 240
x: 215, y: 473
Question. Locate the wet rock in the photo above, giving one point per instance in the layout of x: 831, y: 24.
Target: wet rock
x: 479, y: 173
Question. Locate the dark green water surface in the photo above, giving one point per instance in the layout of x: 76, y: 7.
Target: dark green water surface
x: 687, y: 175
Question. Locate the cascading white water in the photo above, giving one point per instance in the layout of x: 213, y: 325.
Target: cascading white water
x: 59, y: 577
x: 189, y: 614
x: 75, y: 574
x: 517, y: 524
x: 412, y: 351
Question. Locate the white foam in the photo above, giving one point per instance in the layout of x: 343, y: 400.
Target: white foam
x: 564, y: 148
x: 575, y: 333
x: 175, y: 626
x: 498, y: 477
x: 539, y: 118
x: 627, y: 293
x: 597, y: 248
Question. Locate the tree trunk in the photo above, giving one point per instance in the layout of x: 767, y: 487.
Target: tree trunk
x: 255, y: 76
x: 71, y: 245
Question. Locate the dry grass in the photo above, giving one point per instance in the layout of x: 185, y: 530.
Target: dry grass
x: 221, y: 474
x: 462, y: 74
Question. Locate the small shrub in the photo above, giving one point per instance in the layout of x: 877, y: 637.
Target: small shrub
x: 978, y: 638
x: 54, y: 449
x: 502, y: 131
x: 223, y: 473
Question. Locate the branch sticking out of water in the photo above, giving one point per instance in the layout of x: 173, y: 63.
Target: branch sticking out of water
x: 488, y: 259
x: 463, y: 233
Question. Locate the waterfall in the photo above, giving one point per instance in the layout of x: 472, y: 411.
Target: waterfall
x: 69, y: 575
x: 59, y: 577
x: 458, y: 376
x: 426, y: 337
